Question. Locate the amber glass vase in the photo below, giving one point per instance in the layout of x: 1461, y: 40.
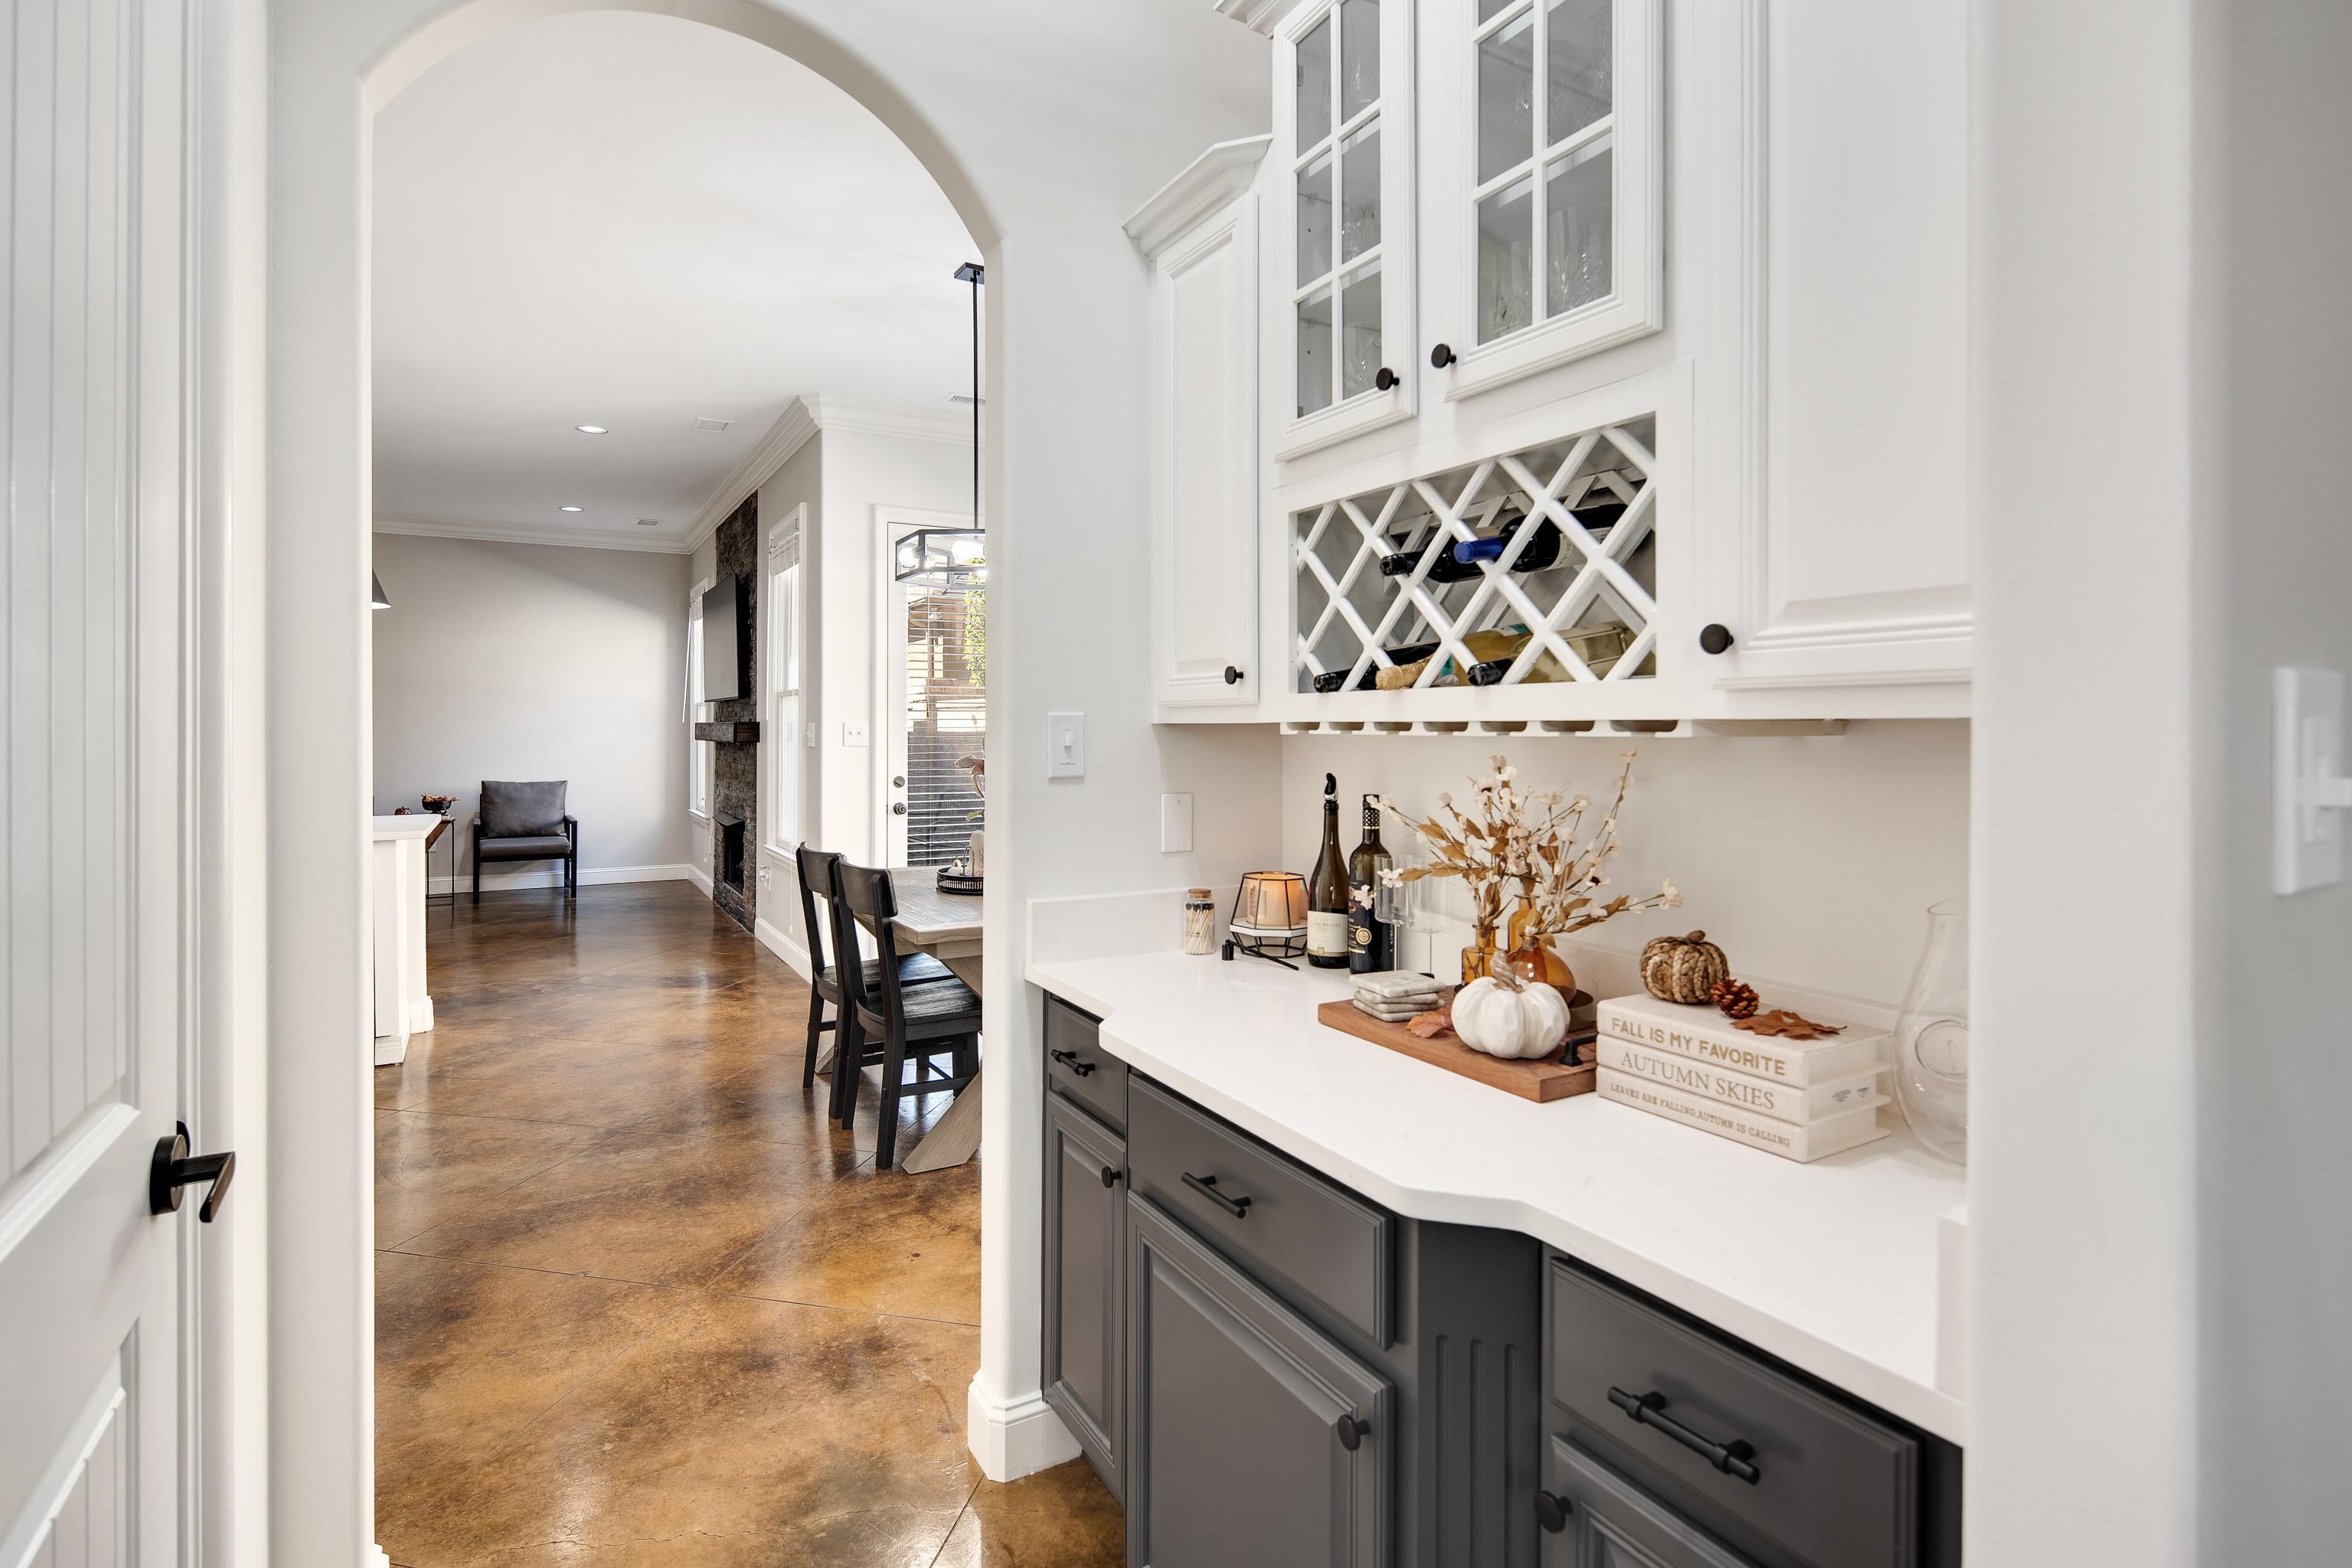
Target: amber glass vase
x: 1530, y: 955
x: 1480, y: 956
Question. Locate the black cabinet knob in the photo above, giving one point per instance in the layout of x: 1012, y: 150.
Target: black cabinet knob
x: 1110, y: 1175
x: 1351, y: 1431
x: 1441, y: 356
x: 1715, y: 637
x: 173, y: 1168
x: 1551, y: 1511
x: 1232, y: 675
x: 1386, y: 379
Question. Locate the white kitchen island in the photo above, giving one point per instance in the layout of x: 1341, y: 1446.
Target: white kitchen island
x: 402, y: 1006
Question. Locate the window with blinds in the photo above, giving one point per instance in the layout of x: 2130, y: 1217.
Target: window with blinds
x: 947, y: 723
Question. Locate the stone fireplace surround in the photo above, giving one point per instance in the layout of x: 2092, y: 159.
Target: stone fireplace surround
x: 735, y: 775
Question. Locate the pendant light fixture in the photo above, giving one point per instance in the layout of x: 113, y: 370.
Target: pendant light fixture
x: 954, y: 559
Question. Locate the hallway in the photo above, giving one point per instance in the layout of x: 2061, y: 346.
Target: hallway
x: 637, y: 1303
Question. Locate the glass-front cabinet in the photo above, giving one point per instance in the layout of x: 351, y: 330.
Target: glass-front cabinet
x: 1345, y: 282
x: 1545, y: 214
x: 1507, y: 220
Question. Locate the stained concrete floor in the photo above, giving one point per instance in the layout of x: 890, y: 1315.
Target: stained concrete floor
x: 638, y: 1303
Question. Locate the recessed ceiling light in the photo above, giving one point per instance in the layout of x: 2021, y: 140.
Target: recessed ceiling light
x: 589, y: 429
x: 568, y: 508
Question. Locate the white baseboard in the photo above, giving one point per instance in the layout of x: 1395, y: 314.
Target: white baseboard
x: 700, y: 879
x: 784, y: 947
x: 590, y: 876
x: 1014, y: 1439
x: 376, y: 1558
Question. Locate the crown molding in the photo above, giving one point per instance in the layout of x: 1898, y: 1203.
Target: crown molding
x: 952, y: 426
x: 798, y: 425
x: 507, y: 534
x: 1207, y: 182
x: 1261, y: 16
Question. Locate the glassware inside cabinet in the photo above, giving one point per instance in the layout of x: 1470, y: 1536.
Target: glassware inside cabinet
x: 1338, y: 219
x: 1544, y: 169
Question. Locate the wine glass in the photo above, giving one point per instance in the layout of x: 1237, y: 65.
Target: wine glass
x: 1931, y: 1036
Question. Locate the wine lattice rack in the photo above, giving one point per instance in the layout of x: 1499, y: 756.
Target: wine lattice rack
x: 1583, y: 505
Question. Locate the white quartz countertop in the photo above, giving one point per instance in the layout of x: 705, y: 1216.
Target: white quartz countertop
x: 1830, y: 1265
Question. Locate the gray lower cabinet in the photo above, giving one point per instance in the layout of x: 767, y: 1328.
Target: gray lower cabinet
x: 1594, y: 1518
x: 1084, y: 1284
x: 1254, y: 1440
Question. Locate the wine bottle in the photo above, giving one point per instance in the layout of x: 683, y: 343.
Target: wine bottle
x: 1372, y: 945
x: 1460, y: 563
x: 1410, y: 653
x: 1326, y: 890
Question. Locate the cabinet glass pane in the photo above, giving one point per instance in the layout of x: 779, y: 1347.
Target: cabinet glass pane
x: 1360, y: 56
x: 1578, y: 67
x: 1314, y: 220
x: 1507, y: 98
x: 1360, y: 330
x: 1578, y: 210
x: 1490, y: 9
x: 1359, y: 192
x: 1314, y: 61
x: 1315, y: 353
x: 1507, y: 234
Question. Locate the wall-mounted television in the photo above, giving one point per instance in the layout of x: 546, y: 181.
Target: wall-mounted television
x: 726, y: 669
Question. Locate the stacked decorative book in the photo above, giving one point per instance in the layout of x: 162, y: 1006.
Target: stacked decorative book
x: 1799, y: 1098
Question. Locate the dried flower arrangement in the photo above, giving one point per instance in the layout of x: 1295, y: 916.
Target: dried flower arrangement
x: 1535, y: 842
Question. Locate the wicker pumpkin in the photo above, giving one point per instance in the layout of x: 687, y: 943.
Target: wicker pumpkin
x: 1683, y: 968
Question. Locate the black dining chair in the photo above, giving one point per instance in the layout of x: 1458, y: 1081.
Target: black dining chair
x: 886, y: 1020
x: 818, y: 875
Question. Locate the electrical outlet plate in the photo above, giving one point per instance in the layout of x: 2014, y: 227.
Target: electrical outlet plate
x: 853, y: 734
x: 2308, y: 791
x: 1066, y: 745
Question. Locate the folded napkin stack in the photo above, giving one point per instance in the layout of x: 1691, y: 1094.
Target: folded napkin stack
x: 1393, y: 995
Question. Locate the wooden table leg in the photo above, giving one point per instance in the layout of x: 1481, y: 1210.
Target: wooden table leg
x: 956, y: 1139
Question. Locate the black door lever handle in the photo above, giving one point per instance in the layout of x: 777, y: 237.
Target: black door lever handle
x: 174, y: 1168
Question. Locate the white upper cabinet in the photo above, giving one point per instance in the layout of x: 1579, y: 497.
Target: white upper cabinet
x: 1344, y: 299
x: 1201, y: 236
x: 1544, y: 182
x: 1606, y: 373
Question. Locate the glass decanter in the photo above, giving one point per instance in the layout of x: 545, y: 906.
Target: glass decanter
x: 1931, y: 1036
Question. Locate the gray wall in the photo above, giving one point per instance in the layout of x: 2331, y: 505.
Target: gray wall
x: 2275, y: 1162
x: 528, y: 661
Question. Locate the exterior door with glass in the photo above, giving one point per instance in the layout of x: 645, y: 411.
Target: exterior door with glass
x: 97, y: 961
x: 933, y: 674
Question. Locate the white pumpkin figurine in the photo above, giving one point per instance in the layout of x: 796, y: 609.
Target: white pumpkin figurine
x: 1503, y: 1016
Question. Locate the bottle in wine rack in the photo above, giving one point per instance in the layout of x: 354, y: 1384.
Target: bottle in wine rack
x: 1460, y: 562
x: 1371, y: 945
x: 1326, y: 890
x: 1409, y: 653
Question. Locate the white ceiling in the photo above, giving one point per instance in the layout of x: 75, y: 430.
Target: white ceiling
x: 628, y: 220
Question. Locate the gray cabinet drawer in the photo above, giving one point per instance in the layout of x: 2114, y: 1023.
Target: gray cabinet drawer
x: 1286, y: 1222
x: 1076, y: 1065
x: 1606, y: 1522
x: 1254, y: 1440
x: 1084, y: 1284
x: 1832, y: 1487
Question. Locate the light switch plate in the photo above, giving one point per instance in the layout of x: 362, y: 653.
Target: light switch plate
x: 853, y: 734
x: 2307, y: 753
x: 1066, y: 745
x: 1176, y: 823
x: 811, y: 734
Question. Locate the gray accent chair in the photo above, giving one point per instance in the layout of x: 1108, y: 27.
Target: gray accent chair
x: 526, y: 822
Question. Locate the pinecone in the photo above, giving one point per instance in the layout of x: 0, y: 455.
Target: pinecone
x: 1735, y: 997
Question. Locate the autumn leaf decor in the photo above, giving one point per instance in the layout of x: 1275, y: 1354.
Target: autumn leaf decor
x: 1543, y: 845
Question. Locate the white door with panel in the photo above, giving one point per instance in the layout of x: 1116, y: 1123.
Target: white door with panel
x: 932, y: 669
x: 98, y: 956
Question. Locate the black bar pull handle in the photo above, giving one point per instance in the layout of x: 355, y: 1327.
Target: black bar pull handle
x: 1351, y: 1430
x: 1072, y: 1060
x: 1733, y: 1459
x: 175, y: 1169
x: 1207, y: 1187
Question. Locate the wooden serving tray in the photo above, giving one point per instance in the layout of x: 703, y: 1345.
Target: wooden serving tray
x: 1537, y: 1080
